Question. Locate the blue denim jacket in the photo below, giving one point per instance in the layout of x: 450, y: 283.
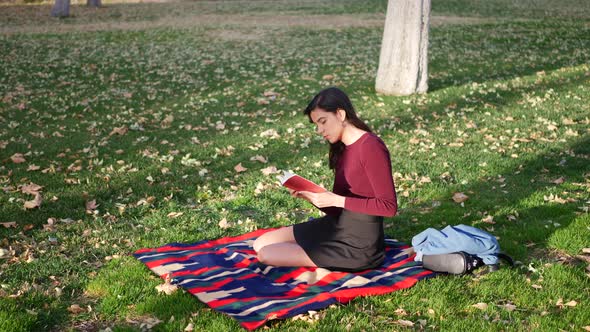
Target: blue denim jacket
x: 457, y: 238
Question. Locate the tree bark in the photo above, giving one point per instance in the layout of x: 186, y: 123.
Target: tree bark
x: 61, y: 8
x: 93, y: 3
x: 403, y: 63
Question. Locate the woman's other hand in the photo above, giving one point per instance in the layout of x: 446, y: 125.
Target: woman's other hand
x: 323, y: 199
x: 293, y: 193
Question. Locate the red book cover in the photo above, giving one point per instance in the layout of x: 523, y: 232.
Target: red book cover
x: 298, y: 183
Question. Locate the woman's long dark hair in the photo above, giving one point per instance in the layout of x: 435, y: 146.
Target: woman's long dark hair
x: 331, y: 100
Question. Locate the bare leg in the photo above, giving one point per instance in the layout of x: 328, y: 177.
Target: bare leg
x: 278, y: 248
x: 284, y: 234
x: 284, y: 254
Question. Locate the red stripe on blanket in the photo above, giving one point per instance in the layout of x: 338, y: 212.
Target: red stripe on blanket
x: 294, y: 274
x: 398, y: 264
x: 189, y: 272
x: 163, y: 261
x: 252, y: 325
x: 214, y: 286
x: 208, y: 244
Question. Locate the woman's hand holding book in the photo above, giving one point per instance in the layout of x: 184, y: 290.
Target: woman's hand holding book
x: 323, y: 199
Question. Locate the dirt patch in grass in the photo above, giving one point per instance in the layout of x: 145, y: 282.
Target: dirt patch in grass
x: 133, y: 17
x: 444, y: 20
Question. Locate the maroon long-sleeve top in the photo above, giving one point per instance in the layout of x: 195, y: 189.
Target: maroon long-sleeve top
x: 363, y: 176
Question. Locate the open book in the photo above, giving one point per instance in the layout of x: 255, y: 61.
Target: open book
x: 298, y: 183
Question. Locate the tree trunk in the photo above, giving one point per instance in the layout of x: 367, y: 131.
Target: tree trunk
x: 93, y: 3
x: 403, y: 64
x: 61, y: 8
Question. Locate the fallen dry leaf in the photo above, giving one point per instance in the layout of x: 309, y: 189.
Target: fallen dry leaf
x: 239, y: 168
x: 146, y: 201
x: 269, y: 170
x: 36, y: 202
x: 91, y: 205
x: 571, y: 303
x: 33, y: 167
x: 226, y: 151
x: 72, y: 181
x: 4, y: 253
x: 189, y: 328
x: 145, y: 323
x: 460, y: 197
x: 311, y: 316
x: 119, y: 131
x: 175, y: 214
x: 559, y: 180
x: 271, y: 133
x: 270, y: 93
x: 259, y: 158
x: 260, y: 187
x: 18, y: 158
x: 404, y: 322
x: 167, y: 121
x: 167, y: 287
x: 480, y: 306
x: 586, y: 250
x: 559, y: 302
x: 76, y: 309
x: 224, y: 224
x: 8, y: 224
x: 508, y: 307
x: 50, y: 226
x: 488, y: 220
x: 400, y: 312
x: 568, y: 122
x: 554, y: 198
x: 425, y: 179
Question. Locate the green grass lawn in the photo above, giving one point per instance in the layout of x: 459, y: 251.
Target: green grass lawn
x: 150, y: 121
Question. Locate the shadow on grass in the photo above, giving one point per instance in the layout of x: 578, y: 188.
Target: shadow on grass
x: 42, y: 313
x: 523, y: 219
x: 504, y: 51
x: 494, y: 102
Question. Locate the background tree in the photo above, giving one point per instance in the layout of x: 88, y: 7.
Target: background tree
x: 93, y: 3
x: 61, y: 8
x: 403, y: 63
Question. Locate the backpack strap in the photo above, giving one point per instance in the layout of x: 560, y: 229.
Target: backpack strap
x: 506, y: 258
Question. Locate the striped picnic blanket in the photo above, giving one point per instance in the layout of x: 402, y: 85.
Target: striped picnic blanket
x: 226, y: 275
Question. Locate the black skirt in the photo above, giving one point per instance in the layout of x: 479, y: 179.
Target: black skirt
x: 351, y: 242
